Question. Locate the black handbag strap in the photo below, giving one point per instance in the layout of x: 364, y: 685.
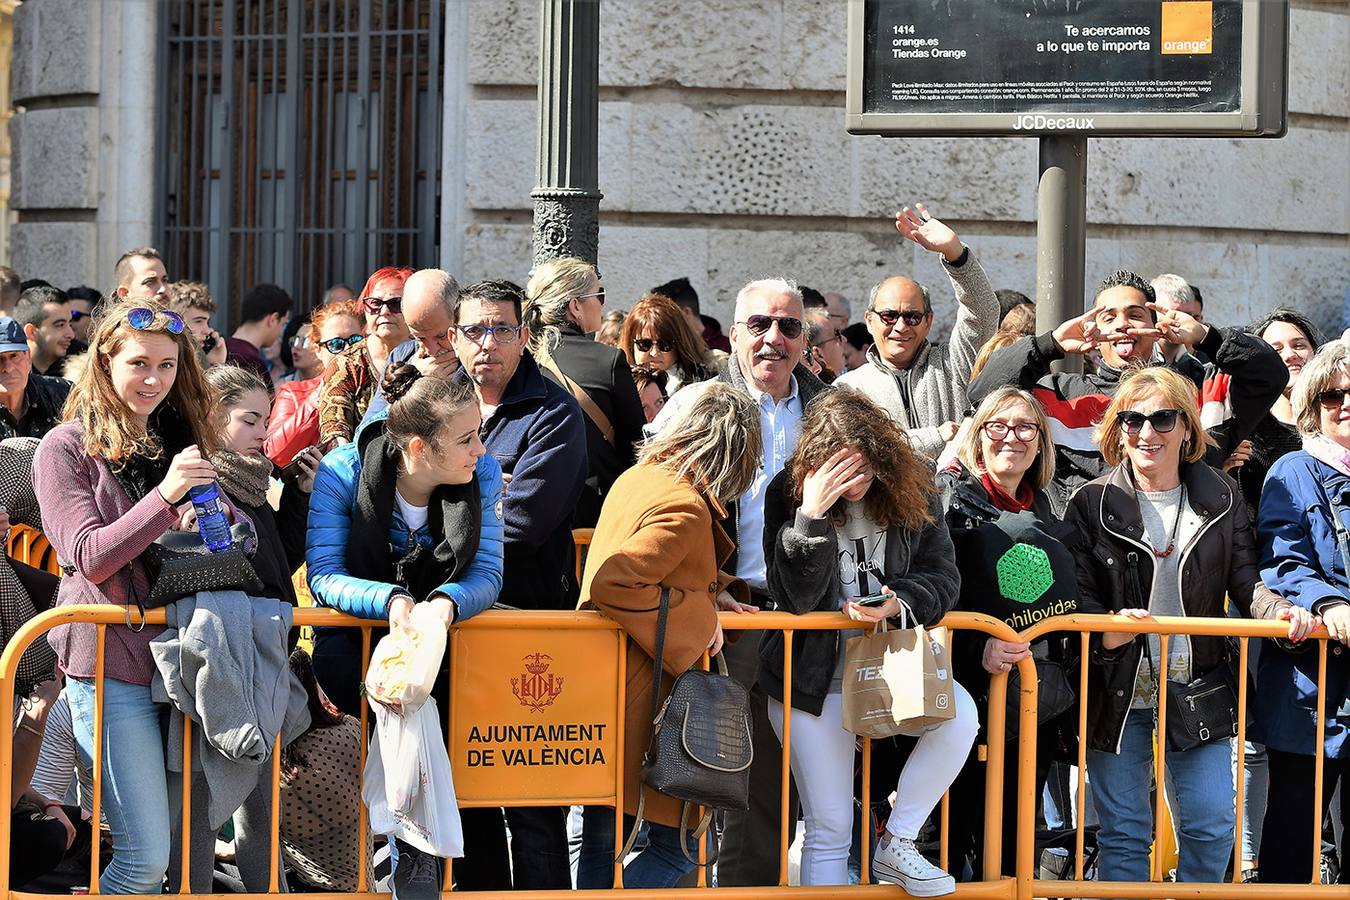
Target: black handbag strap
x: 662, y: 618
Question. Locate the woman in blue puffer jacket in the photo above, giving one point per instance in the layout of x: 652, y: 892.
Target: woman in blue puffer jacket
x: 410, y: 512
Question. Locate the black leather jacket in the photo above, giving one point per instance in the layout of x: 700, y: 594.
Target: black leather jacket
x: 1115, y: 568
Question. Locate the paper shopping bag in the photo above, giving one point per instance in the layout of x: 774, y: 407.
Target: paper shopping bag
x: 897, y: 682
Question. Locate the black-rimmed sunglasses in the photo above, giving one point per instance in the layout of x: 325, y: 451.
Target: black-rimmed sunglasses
x: 1162, y: 420
x: 1332, y: 398
x: 338, y: 344
x: 142, y: 318
x: 393, y: 304
x: 911, y: 317
x: 789, y: 327
x: 646, y: 345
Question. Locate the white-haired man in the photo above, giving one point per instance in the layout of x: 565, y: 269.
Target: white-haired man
x: 1175, y: 294
x: 768, y: 338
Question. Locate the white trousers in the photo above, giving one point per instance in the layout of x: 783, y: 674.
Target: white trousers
x: 822, y: 764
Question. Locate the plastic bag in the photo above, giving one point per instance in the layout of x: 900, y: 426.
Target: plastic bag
x: 408, y: 786
x: 406, y: 661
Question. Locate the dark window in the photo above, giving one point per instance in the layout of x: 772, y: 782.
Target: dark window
x: 302, y: 141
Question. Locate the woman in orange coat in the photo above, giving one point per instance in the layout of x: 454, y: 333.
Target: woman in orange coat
x: 660, y: 529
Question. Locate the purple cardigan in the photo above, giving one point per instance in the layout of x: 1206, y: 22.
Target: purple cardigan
x: 95, y: 528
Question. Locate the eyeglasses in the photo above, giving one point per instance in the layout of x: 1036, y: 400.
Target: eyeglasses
x: 338, y: 344
x: 1026, y: 432
x: 789, y: 327
x: 912, y: 317
x: 836, y: 338
x: 502, y: 334
x: 646, y: 345
x: 1332, y: 398
x: 393, y: 304
x: 142, y: 318
x: 76, y: 315
x: 1162, y: 420
x: 299, y: 342
x: 599, y: 295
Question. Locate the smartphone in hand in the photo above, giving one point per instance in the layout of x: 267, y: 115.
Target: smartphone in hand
x: 873, y: 599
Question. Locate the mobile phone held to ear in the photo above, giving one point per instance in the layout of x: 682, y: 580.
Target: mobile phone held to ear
x: 209, y: 343
x: 873, y: 599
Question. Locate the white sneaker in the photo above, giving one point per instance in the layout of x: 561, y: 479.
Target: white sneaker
x: 898, y: 861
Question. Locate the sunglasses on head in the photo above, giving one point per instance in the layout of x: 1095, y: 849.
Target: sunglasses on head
x: 1332, y: 398
x: 338, y: 344
x: 393, y: 304
x: 912, y: 317
x: 789, y: 327
x: 1162, y: 420
x: 646, y: 345
x: 142, y: 318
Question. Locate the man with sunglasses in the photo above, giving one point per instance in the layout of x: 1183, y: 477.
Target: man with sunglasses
x: 921, y: 384
x: 1124, y: 327
x: 30, y: 404
x: 767, y: 341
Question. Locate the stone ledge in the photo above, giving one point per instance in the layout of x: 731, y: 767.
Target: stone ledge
x: 55, y: 159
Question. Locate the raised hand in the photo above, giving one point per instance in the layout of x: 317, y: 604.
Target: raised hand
x: 1079, y: 334
x: 842, y: 472
x: 1177, y: 327
x: 929, y: 233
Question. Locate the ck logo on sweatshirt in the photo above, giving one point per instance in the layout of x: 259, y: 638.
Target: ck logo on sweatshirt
x: 537, y: 687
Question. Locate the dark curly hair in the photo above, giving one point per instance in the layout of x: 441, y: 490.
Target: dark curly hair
x: 1126, y: 278
x: 902, y: 479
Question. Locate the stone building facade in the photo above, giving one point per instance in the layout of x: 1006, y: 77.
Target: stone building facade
x: 723, y: 157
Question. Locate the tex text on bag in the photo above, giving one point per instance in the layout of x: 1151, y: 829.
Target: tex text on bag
x: 408, y: 786
x: 898, y: 681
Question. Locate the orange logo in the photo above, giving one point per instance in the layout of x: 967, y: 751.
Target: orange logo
x: 1188, y: 27
x: 536, y: 687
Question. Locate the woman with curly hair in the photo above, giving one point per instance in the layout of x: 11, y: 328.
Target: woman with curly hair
x: 353, y: 379
x: 853, y: 514
x: 655, y: 334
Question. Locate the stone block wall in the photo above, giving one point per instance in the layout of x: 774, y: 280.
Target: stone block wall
x: 83, y: 134
x: 723, y: 157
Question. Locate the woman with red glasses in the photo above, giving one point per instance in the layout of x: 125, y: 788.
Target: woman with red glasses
x: 656, y: 335
x: 355, y: 375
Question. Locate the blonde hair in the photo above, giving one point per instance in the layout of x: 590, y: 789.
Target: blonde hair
x: 715, y: 444
x: 1331, y: 358
x: 1000, y: 340
x: 1042, y: 470
x: 552, y: 286
x: 111, y: 431
x: 1178, y: 393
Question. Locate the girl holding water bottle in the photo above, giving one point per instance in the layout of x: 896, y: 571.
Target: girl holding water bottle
x: 114, y: 477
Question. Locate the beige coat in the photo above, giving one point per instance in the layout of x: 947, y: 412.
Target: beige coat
x: 656, y: 530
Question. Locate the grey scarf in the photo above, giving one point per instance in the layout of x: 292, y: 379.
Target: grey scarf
x: 244, y: 478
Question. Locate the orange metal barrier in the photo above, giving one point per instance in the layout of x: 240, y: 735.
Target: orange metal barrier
x: 30, y: 546
x: 551, y: 636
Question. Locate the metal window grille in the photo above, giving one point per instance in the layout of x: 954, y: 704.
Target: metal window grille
x: 302, y: 142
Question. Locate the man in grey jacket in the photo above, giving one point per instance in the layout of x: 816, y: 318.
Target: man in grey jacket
x: 922, y: 385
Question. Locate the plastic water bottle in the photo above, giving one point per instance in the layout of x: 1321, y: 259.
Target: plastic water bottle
x: 211, y: 521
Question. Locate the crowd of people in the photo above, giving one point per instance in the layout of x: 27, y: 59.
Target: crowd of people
x: 420, y: 441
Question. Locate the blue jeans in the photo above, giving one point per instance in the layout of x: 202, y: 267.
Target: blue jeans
x: 1204, y: 805
x: 135, y: 784
x: 660, y: 865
